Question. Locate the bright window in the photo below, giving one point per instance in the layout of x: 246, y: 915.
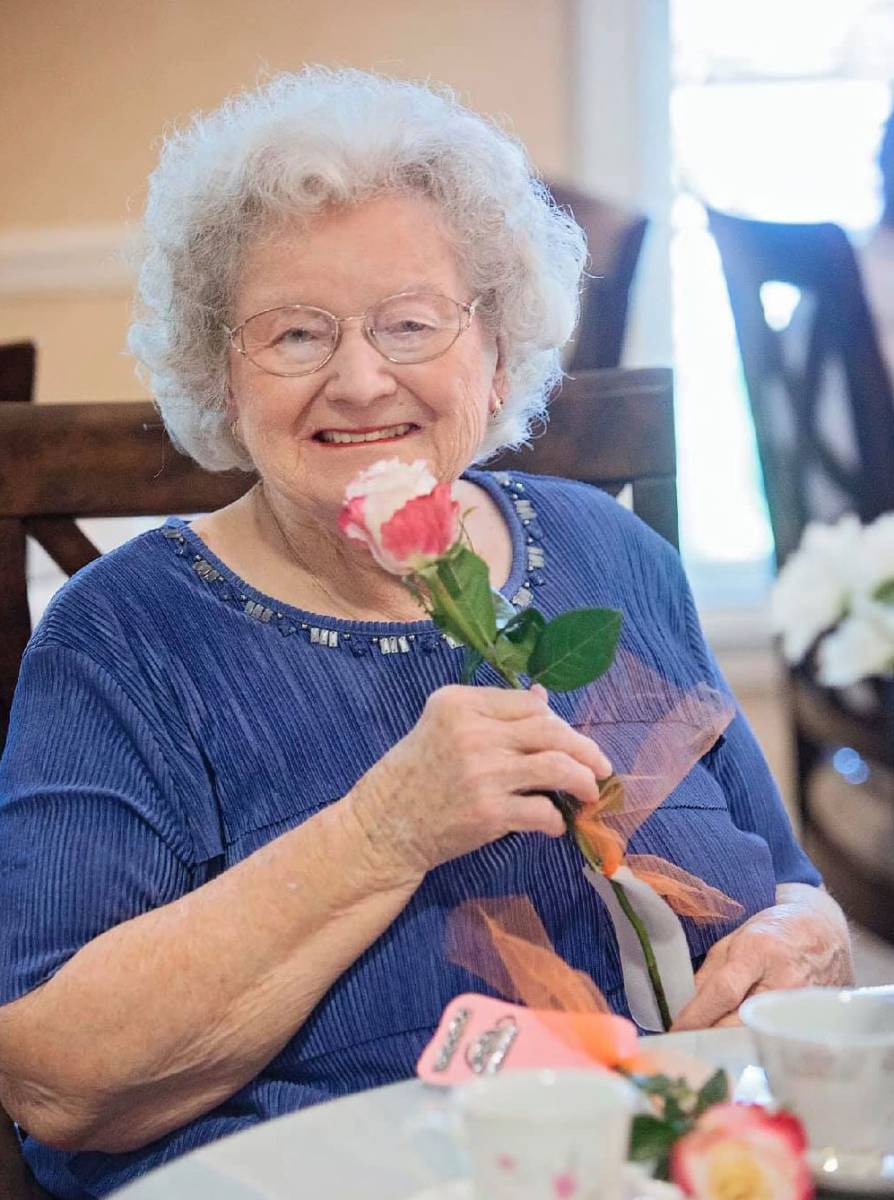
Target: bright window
x: 776, y: 113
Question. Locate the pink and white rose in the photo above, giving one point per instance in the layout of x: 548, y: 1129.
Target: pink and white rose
x: 402, y: 514
x: 743, y: 1151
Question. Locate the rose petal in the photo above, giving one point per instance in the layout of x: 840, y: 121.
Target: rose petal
x: 401, y: 513
x: 744, y: 1151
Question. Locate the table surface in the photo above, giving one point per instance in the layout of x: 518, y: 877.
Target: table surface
x: 390, y: 1143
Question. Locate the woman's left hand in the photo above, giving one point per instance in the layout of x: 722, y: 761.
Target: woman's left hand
x: 801, y: 941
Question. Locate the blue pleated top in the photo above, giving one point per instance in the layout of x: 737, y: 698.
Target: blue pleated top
x: 170, y: 720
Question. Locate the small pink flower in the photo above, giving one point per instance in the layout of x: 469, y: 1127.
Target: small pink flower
x: 743, y: 1152
x: 565, y: 1185
x: 505, y: 1162
x: 401, y: 513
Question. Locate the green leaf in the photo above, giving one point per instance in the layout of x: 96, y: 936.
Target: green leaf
x: 884, y: 593
x: 654, y: 1085
x: 650, y: 1138
x: 714, y: 1091
x: 472, y: 660
x: 467, y: 579
x: 515, y: 642
x: 674, y: 1112
x: 575, y: 648
x: 462, y: 602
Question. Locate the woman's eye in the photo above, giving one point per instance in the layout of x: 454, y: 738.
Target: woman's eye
x: 409, y: 326
x: 297, y: 335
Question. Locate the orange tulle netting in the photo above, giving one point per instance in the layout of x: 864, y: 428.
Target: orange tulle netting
x: 686, y: 726
x: 660, y: 733
x: 504, y: 943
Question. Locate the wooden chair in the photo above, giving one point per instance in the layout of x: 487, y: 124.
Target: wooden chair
x: 614, y: 241
x: 17, y: 370
x: 611, y: 429
x: 59, y: 462
x: 814, y: 386
x: 18, y: 363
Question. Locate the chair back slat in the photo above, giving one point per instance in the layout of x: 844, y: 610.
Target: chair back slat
x: 614, y: 241
x: 18, y: 364
x: 814, y: 383
x: 125, y: 464
x: 17, y: 368
x: 67, y: 545
x: 15, y: 616
x: 611, y: 428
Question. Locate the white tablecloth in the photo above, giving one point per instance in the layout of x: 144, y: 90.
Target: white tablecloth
x: 386, y: 1144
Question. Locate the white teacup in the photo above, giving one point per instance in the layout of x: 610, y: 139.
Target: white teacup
x: 545, y: 1135
x: 829, y: 1056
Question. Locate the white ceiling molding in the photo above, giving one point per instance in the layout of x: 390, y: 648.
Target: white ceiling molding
x: 87, y: 259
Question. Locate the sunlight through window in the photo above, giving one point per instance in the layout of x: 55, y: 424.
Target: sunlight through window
x: 771, y: 119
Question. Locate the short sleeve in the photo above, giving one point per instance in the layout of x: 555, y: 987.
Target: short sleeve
x: 89, y: 835
x: 739, y: 766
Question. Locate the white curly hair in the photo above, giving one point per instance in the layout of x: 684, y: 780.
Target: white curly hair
x: 322, y: 137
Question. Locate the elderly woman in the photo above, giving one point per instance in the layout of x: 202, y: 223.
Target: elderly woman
x: 243, y: 786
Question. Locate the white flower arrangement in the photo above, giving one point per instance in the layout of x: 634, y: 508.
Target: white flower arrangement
x: 837, y: 591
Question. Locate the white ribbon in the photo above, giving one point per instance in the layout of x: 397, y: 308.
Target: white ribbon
x: 668, y: 945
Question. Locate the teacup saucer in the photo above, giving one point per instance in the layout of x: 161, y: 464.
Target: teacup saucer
x: 853, y: 1177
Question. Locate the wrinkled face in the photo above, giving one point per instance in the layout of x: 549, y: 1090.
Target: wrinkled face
x: 346, y: 261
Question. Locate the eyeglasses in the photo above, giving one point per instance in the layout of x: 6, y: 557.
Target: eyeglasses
x: 298, y: 339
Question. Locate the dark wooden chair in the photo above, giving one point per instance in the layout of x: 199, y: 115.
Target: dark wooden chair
x: 18, y: 362
x: 614, y: 240
x: 59, y: 462
x: 611, y: 429
x: 17, y: 371
x: 823, y: 411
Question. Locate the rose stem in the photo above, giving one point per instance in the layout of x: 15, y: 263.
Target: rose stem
x: 568, y: 807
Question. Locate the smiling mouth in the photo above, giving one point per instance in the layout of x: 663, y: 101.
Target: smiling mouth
x: 356, y: 437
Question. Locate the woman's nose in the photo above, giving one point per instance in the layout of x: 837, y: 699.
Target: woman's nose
x: 357, y: 372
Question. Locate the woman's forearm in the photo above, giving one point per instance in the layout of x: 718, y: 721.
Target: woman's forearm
x: 161, y: 1018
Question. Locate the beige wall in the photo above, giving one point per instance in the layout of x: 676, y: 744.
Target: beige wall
x: 87, y: 86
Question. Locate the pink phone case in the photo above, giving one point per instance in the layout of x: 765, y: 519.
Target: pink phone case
x: 478, y: 1035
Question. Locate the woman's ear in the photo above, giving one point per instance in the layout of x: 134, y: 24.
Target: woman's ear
x: 499, y: 384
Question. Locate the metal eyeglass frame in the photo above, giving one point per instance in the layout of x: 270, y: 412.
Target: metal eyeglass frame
x: 468, y: 309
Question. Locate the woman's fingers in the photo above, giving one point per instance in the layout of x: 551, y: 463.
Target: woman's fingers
x: 732, y: 1021
x: 546, y: 731
x: 724, y: 980
x: 752, y: 957
x: 477, y: 766
x: 553, y: 771
x: 536, y: 814
x: 502, y: 704
x: 791, y: 944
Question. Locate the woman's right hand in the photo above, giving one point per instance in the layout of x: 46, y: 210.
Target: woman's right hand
x: 475, y: 767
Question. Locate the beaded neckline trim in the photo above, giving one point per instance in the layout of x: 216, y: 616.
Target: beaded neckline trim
x: 360, y: 644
